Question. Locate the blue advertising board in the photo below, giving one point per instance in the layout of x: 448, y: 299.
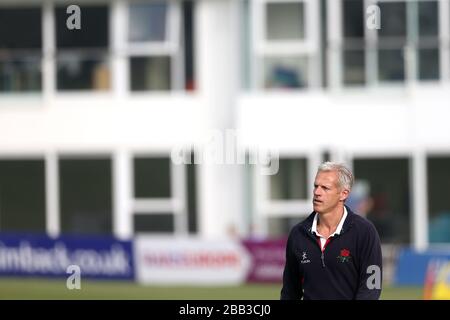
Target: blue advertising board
x: 412, y: 265
x: 40, y: 255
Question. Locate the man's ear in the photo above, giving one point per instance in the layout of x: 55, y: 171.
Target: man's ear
x: 344, y: 195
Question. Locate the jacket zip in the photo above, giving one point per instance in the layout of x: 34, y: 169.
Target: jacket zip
x: 322, y: 256
x: 317, y: 239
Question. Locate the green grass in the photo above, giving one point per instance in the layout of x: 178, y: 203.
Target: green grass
x: 402, y: 293
x: 31, y: 288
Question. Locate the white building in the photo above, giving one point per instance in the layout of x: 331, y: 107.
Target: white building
x: 90, y: 117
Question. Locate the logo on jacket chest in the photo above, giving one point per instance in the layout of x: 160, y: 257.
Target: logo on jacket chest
x: 344, y: 256
x: 305, y: 258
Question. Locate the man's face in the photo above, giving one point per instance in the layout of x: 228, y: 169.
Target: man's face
x: 327, y: 193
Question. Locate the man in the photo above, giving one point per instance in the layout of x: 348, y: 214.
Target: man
x: 334, y: 253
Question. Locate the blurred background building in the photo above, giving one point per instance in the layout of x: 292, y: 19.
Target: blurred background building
x: 90, y: 117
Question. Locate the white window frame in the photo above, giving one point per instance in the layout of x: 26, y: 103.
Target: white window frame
x: 176, y: 204
x: 29, y: 4
x: 336, y: 39
x: 266, y: 208
x: 422, y: 188
x: 51, y: 216
x: 309, y: 47
x: 52, y: 52
x: 171, y: 46
x: 410, y: 50
x: 418, y: 215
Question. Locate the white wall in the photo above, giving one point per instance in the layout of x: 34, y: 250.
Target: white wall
x: 92, y: 122
x: 386, y: 120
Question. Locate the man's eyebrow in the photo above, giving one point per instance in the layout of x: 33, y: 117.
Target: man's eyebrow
x: 328, y: 185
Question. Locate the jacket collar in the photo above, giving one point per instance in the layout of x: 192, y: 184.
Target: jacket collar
x: 338, y: 228
x: 307, y: 223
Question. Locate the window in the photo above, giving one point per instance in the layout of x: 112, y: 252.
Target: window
x: 438, y: 199
x: 428, y: 44
x: 154, y: 45
x: 160, y: 201
x: 85, y: 196
x: 157, y: 41
x: 22, y: 196
x: 152, y: 178
x: 387, y: 183
x: 284, y: 197
x: 392, y: 37
x: 428, y: 61
x: 148, y: 22
x: 291, y: 180
x: 391, y: 65
x: 394, y: 20
x: 353, y: 12
x: 280, y: 227
x: 192, y: 196
x: 285, y: 72
x: 285, y: 21
x: 353, y: 42
x: 286, y: 44
x: 400, y: 19
x: 354, y: 66
x: 405, y: 48
x: 82, y: 55
x: 20, y: 49
x: 188, y: 42
x: 154, y: 222
x: 150, y: 73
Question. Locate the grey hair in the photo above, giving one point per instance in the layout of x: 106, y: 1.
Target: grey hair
x: 345, y: 176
